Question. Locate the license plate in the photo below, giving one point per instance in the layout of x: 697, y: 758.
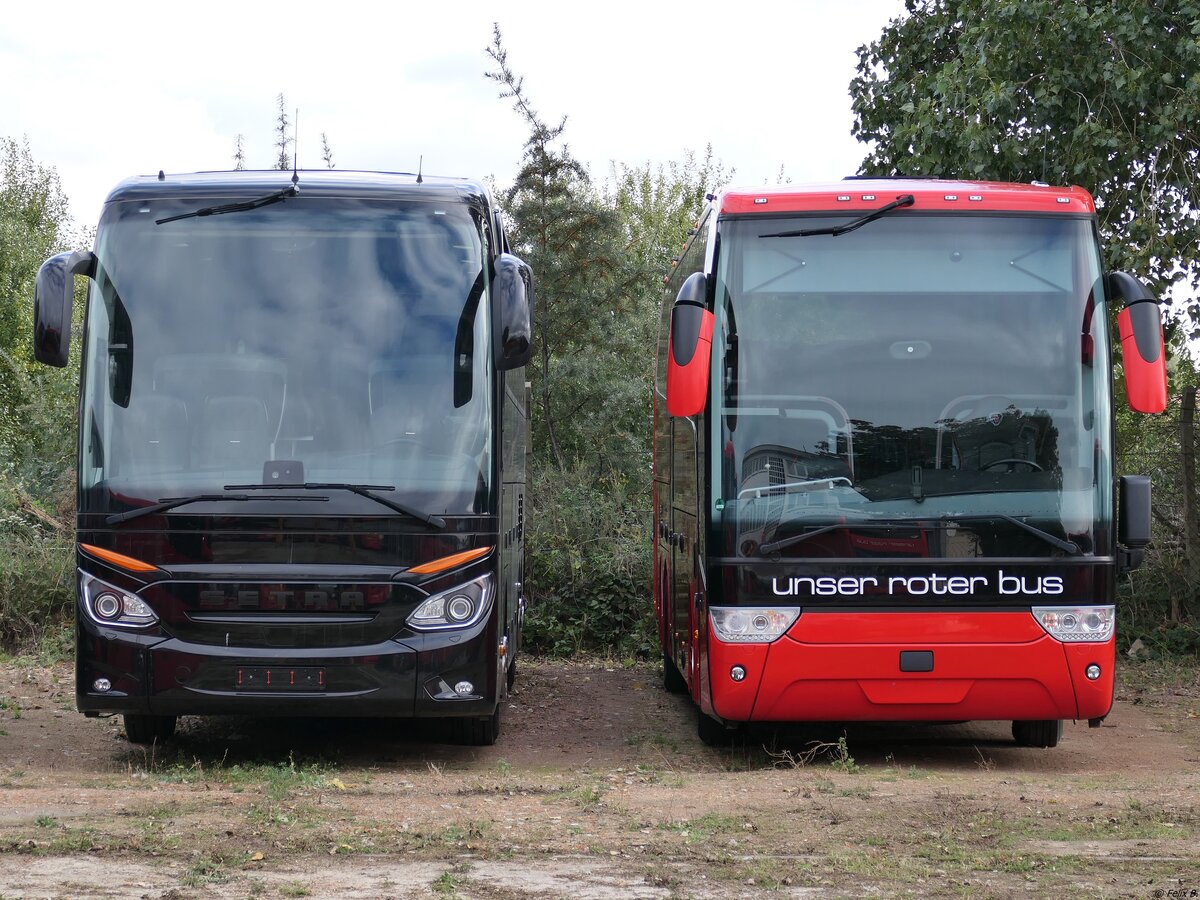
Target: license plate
x: 280, y: 678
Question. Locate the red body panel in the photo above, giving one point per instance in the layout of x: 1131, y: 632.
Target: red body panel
x: 734, y: 700
x: 866, y: 195
x: 845, y: 667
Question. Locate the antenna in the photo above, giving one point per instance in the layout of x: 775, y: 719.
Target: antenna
x: 296, y: 153
x: 420, y: 165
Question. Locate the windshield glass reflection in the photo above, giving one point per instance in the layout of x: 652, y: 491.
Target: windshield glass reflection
x: 315, y: 340
x: 941, y: 376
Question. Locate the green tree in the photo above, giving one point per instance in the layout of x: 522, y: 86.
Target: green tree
x: 1101, y: 94
x: 598, y: 256
x: 37, y: 404
x: 658, y: 206
x: 590, y: 318
x: 37, y: 411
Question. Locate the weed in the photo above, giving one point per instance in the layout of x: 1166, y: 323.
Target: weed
x: 588, y: 796
x: 295, y: 889
x: 446, y: 884
x: 277, y: 780
x: 11, y: 706
x: 658, y: 740
x: 45, y: 822
x: 206, y: 870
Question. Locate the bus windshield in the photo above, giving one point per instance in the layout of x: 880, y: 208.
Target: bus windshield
x: 339, y: 341
x: 926, y: 385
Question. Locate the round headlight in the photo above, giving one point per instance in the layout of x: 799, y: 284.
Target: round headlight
x: 107, y: 606
x: 459, y: 608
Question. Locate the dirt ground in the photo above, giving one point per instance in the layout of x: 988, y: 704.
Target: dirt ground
x: 597, y: 788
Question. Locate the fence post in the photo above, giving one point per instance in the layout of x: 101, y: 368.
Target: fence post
x: 1191, y: 535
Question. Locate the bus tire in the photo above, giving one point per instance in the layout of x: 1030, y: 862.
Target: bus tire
x: 1037, y: 733
x: 144, y: 729
x: 673, y: 679
x: 511, y: 675
x: 714, y: 733
x: 476, y: 731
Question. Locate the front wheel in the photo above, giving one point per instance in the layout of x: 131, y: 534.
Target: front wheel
x: 714, y: 733
x: 476, y: 731
x: 142, y: 729
x: 1037, y: 733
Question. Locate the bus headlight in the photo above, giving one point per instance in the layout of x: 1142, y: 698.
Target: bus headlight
x: 459, y: 607
x: 751, y: 624
x: 1077, y: 624
x: 106, y: 604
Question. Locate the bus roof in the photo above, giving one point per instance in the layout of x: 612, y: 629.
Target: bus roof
x: 312, y: 182
x: 931, y: 194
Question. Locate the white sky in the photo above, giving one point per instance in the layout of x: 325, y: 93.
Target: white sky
x: 107, y: 90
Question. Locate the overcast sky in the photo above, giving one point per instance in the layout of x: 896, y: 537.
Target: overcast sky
x: 106, y: 90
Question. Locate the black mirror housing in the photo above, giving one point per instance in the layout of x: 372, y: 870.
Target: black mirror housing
x: 512, y: 311
x: 53, y: 303
x: 1133, y: 519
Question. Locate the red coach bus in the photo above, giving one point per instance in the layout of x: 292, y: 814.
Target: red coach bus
x: 883, y: 457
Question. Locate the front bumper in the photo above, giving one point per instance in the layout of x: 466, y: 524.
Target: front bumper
x: 169, y: 676
x: 984, y: 666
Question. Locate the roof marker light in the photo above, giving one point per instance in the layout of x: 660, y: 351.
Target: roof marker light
x: 951, y: 197
x: 1064, y: 199
x: 760, y: 199
x: 844, y: 198
x: 868, y: 196
x: 976, y: 198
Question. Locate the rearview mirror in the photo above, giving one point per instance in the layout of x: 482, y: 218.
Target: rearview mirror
x: 53, y: 301
x: 1143, y: 351
x: 512, y: 294
x: 1133, y: 519
x: 690, y: 348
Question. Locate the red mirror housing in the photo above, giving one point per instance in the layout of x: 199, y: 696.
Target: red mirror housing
x: 690, y: 350
x: 1143, y: 358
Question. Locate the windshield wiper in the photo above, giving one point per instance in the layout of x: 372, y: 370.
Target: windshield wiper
x: 835, y: 230
x: 363, y: 490
x: 242, y: 206
x: 171, y: 502
x: 1068, y: 547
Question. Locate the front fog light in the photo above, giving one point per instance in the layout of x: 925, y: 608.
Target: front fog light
x: 101, y: 685
x: 737, y: 673
x: 1092, y: 672
x: 463, y: 688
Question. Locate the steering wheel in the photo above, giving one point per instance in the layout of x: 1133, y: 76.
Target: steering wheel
x: 1011, y: 461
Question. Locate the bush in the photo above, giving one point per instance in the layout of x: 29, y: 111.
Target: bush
x: 38, y: 590
x: 589, y: 571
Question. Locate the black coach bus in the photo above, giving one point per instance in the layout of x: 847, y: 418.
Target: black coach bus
x: 302, y: 436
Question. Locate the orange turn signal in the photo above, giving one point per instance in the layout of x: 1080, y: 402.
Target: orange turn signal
x: 449, y: 562
x: 118, y: 559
